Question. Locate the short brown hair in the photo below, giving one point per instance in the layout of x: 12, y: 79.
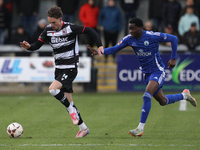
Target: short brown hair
x: 55, y: 12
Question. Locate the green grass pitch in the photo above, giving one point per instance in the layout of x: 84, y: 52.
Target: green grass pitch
x: 109, y: 117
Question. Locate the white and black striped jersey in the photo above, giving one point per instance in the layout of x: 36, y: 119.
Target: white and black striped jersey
x: 65, y: 43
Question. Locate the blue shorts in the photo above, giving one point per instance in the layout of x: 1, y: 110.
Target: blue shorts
x: 158, y: 76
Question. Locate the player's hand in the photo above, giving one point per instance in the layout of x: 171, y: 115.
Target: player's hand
x: 94, y: 51
x: 25, y: 45
x: 100, y: 50
x: 171, y: 63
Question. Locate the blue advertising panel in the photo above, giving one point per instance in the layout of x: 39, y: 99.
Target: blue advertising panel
x: 186, y: 73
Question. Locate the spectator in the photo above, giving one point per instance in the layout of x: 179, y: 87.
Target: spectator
x: 18, y: 36
x: 186, y: 20
x: 28, y: 10
x: 192, y: 37
x: 129, y: 8
x: 189, y: 3
x: 9, y: 6
x: 42, y: 23
x: 197, y: 6
x: 148, y: 26
x: 68, y: 8
x: 4, y: 21
x: 155, y: 13
x: 169, y: 30
x: 88, y: 15
x: 110, y: 22
x: 171, y: 14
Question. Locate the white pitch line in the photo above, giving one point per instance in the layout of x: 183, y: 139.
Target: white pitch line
x: 125, y: 145
x: 183, y: 105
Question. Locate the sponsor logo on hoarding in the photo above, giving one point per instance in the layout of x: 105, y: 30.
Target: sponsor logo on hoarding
x: 177, y: 75
x: 14, y: 69
x: 179, y: 68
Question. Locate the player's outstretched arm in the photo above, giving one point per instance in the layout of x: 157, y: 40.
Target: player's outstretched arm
x: 31, y: 47
x: 25, y: 45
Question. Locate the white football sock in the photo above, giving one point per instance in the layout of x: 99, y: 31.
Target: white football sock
x: 141, y: 126
x: 82, y: 126
x: 70, y: 109
x: 72, y: 103
x: 184, y: 96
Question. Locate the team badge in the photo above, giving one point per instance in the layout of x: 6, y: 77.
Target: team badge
x: 146, y: 43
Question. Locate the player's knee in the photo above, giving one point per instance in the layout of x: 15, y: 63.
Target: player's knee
x: 54, y: 92
x: 147, y: 97
x: 162, y: 100
x: 162, y: 103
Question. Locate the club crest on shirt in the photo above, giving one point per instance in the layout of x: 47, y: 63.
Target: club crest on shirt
x: 146, y: 43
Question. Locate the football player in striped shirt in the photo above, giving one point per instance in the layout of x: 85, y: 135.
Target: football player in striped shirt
x: 63, y: 38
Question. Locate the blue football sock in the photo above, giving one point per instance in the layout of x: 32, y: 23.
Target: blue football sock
x: 173, y: 98
x: 146, y: 107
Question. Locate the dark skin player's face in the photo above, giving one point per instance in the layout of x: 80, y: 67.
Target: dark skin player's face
x: 136, y: 32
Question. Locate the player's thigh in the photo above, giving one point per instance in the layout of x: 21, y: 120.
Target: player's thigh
x: 152, y: 86
x: 55, y: 85
x: 154, y: 81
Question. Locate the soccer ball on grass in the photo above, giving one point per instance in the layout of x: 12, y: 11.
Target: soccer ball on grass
x: 15, y: 130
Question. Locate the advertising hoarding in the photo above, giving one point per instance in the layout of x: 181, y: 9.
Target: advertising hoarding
x: 186, y: 73
x: 38, y: 69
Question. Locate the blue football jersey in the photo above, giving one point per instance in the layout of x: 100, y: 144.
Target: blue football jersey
x: 147, y: 49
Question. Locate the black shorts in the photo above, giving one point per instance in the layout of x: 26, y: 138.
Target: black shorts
x: 66, y: 77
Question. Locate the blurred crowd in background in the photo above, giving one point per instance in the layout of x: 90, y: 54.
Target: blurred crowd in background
x: 108, y: 17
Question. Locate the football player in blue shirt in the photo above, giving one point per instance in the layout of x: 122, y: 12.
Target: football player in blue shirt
x: 146, y: 47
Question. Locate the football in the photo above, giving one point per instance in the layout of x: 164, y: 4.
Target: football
x: 15, y: 130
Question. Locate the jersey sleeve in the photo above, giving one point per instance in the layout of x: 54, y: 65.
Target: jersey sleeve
x: 164, y: 37
x: 174, y: 43
x: 122, y: 44
x: 41, y: 40
x: 43, y: 36
x: 76, y: 29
